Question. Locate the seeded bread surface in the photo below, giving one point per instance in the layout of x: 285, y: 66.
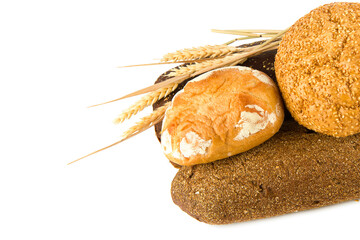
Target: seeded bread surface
x: 296, y: 170
x: 318, y: 69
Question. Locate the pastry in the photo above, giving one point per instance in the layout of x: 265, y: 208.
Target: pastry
x: 318, y: 69
x: 219, y: 114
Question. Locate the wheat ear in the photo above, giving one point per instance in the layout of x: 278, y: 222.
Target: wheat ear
x: 227, y: 60
x: 195, y: 67
x: 255, y: 33
x: 232, y: 59
x: 145, y: 123
x: 209, y: 51
x: 145, y: 101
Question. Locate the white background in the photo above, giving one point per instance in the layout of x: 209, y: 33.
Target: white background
x: 57, y: 58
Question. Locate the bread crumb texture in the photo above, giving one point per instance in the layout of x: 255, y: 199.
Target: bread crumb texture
x: 318, y: 69
x: 296, y: 170
x: 219, y: 114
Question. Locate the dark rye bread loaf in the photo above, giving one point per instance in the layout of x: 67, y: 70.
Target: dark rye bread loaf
x: 295, y: 170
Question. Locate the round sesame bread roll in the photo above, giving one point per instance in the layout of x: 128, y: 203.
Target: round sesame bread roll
x: 318, y: 69
x: 219, y: 114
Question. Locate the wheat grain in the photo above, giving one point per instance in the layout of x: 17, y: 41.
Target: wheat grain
x: 208, y: 65
x: 146, y: 122
x: 233, y: 59
x: 208, y: 51
x: 250, y: 33
x: 178, y: 75
x: 230, y: 60
x: 145, y: 101
x: 194, y: 67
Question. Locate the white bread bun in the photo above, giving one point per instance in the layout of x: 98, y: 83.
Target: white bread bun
x: 219, y: 114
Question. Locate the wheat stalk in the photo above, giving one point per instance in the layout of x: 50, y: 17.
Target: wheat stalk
x: 145, y: 123
x: 195, y: 67
x: 228, y: 57
x: 145, y: 101
x: 250, y: 33
x: 230, y: 60
x: 209, y: 51
x: 197, y: 54
x: 182, y: 73
x: 226, y: 61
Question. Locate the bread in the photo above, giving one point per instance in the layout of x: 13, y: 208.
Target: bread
x: 263, y: 62
x: 219, y: 114
x: 318, y: 69
x: 296, y: 170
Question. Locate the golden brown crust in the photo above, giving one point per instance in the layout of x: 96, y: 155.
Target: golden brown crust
x: 296, y: 170
x: 263, y: 62
x: 318, y: 69
x: 219, y: 114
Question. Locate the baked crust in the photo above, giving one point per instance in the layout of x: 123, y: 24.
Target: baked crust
x: 318, y: 69
x: 263, y: 62
x: 296, y: 170
x: 220, y: 114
